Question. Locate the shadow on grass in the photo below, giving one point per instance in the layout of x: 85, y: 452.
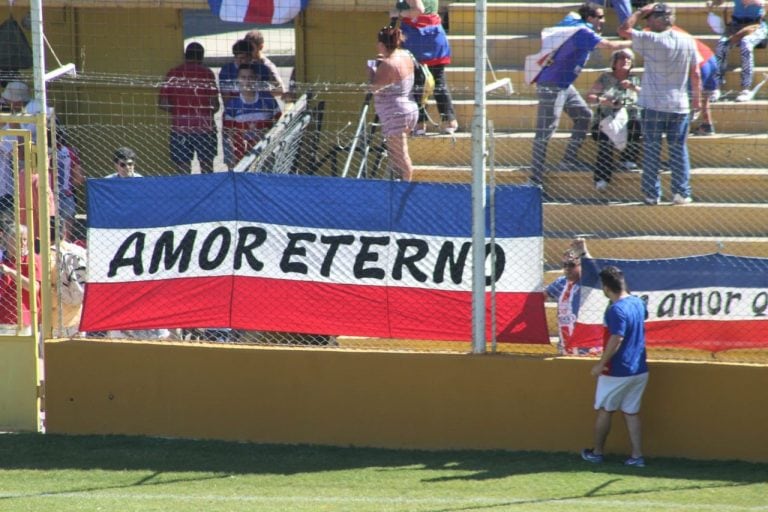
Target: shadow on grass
x: 51, y: 451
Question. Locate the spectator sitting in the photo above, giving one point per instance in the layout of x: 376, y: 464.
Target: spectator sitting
x: 191, y: 97
x: 746, y: 30
x: 250, y: 115
x: 613, y: 91
x: 391, y: 84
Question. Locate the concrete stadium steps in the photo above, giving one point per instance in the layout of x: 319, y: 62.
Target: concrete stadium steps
x: 713, y: 185
x: 530, y: 18
x: 652, y: 247
x: 510, y: 51
x: 461, y: 81
x: 698, y: 219
x: 514, y: 149
x: 520, y: 115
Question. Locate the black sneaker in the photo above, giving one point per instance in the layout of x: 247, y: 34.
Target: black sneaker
x: 704, y: 129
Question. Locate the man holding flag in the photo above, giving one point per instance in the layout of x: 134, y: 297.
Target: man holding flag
x: 580, y: 35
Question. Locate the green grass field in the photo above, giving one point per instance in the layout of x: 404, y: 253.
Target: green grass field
x: 60, y: 473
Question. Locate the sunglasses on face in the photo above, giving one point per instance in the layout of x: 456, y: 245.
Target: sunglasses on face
x: 570, y: 264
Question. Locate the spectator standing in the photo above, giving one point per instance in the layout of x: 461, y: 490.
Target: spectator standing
x: 248, y: 116
x: 613, y: 91
x: 425, y: 38
x: 566, y: 290
x: 124, y: 160
x: 746, y: 30
x: 555, y: 90
x: 11, y: 261
x: 69, y: 175
x: 191, y: 97
x: 671, y: 68
x: 242, y: 53
x: 622, y: 372
x: 277, y: 85
x: 392, y: 84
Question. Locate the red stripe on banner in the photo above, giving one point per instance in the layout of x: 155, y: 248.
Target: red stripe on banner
x: 308, y: 307
x: 709, y: 335
x: 199, y: 302
x: 333, y: 309
x: 259, y: 11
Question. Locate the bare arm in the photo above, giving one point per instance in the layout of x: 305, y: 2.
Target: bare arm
x: 593, y: 98
x: 614, y: 45
x: 625, y: 29
x: 614, y: 342
x: 695, y: 77
x: 384, y: 75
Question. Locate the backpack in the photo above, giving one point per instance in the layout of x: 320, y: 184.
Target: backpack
x: 423, y: 82
x: 72, y: 268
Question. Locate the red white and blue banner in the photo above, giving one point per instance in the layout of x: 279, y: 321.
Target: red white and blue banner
x: 272, y: 12
x: 306, y: 254
x: 713, y: 302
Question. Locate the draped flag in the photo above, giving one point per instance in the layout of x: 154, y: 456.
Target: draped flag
x: 306, y: 254
x: 273, y: 12
x: 713, y: 302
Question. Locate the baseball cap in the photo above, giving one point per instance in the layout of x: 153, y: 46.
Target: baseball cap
x: 16, y: 92
x: 659, y: 9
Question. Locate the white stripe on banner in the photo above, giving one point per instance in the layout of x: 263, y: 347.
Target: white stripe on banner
x: 233, y: 10
x: 306, y: 254
x: 708, y: 303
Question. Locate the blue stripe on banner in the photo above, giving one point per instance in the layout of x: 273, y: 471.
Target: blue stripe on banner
x: 308, y: 201
x: 683, y: 273
x: 215, y: 6
x: 160, y: 201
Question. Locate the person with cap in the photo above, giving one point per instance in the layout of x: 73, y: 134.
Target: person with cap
x: 746, y: 30
x: 612, y: 91
x: 566, y: 290
x: 191, y: 97
x: 124, y: 160
x: 555, y: 90
x: 14, y: 98
x: 671, y: 69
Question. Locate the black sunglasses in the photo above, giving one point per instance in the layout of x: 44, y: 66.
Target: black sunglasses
x: 569, y: 264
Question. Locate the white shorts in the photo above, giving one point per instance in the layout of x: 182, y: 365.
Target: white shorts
x: 620, y: 393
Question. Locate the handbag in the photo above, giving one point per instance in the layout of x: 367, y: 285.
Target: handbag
x: 615, y: 128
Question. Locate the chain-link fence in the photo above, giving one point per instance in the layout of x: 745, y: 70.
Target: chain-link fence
x: 596, y: 193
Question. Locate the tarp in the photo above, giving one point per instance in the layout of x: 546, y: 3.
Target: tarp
x: 306, y: 254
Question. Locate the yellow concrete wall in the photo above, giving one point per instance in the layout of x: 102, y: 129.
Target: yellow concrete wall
x: 19, y: 404
x: 398, y: 400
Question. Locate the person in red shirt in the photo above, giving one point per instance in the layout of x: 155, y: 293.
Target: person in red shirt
x: 191, y: 97
x: 8, y: 279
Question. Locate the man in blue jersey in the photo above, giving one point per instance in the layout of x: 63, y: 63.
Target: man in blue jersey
x: 622, y: 372
x: 555, y: 90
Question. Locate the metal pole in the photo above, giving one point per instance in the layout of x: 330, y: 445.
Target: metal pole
x: 478, y: 184
x: 38, y: 68
x: 492, y: 228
